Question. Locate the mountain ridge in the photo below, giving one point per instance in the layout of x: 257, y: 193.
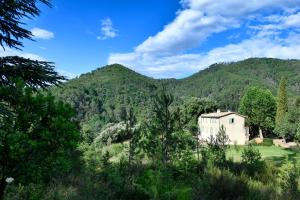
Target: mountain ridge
x: 103, y: 93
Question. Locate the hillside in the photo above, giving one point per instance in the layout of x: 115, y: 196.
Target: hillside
x: 101, y: 95
x: 107, y: 87
x: 227, y: 82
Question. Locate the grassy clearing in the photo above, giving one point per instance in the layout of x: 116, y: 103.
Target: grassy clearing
x: 273, y: 153
x: 269, y: 152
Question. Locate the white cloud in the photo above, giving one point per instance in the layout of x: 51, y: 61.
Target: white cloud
x: 67, y: 74
x: 42, y: 48
x: 107, y: 30
x: 39, y: 33
x: 164, y: 54
x: 13, y: 52
x: 181, y: 65
x: 203, y: 18
x: 279, y: 22
x: 292, y: 20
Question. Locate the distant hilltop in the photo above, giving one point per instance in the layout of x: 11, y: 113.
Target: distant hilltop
x: 113, y: 86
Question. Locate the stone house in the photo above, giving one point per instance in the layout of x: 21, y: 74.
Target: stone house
x: 234, y: 124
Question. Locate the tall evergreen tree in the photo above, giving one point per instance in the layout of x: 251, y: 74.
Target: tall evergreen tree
x: 37, y: 141
x: 282, y: 106
x: 36, y: 133
x: 11, y: 25
x: 156, y: 133
x: 132, y: 132
x: 36, y: 74
x: 164, y: 121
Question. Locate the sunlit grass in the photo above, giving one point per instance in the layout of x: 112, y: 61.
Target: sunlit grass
x: 273, y: 153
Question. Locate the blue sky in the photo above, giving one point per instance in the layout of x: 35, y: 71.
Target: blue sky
x: 161, y: 38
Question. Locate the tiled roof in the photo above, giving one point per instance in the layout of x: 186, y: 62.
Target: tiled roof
x: 219, y: 114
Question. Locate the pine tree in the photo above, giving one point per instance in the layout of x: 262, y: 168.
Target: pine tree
x: 12, y: 13
x: 35, y: 74
x: 281, y: 103
x: 133, y: 150
x: 164, y: 121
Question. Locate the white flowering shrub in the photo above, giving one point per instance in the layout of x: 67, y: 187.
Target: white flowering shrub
x: 113, y: 132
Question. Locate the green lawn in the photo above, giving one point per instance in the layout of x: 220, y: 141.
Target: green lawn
x: 273, y: 153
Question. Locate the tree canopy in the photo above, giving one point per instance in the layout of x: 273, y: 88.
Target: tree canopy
x: 260, y: 106
x: 36, y: 74
x: 12, y: 13
x: 38, y: 139
x: 282, y: 104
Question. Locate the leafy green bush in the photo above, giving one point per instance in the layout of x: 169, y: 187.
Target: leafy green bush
x: 289, y: 179
x: 219, y: 184
x: 41, y: 192
x: 251, y: 158
x: 215, y: 153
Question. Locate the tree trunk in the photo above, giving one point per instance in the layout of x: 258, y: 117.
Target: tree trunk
x: 261, y: 134
x: 2, y: 188
x: 197, y: 147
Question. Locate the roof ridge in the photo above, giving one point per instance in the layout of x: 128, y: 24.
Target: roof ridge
x: 220, y: 114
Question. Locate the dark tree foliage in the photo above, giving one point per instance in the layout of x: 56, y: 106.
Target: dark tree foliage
x: 282, y: 104
x: 193, y: 108
x: 36, y: 74
x: 38, y: 140
x: 11, y: 26
x: 290, y: 123
x: 133, y: 133
x: 259, y: 105
x: 164, y: 121
x: 157, y: 132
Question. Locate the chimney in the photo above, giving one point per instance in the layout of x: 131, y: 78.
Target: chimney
x: 218, y: 111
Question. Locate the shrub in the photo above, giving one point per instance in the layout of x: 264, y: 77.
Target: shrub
x: 41, y: 192
x: 219, y: 184
x: 288, y: 179
x: 251, y: 158
x: 216, y: 151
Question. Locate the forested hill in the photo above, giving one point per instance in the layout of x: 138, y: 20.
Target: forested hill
x: 105, y: 92
x: 227, y: 82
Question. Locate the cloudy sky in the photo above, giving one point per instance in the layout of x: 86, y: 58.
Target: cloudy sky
x: 162, y: 38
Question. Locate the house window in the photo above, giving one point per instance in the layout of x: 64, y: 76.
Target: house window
x: 231, y: 120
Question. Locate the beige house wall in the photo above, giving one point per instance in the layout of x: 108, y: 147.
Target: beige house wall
x: 237, y: 132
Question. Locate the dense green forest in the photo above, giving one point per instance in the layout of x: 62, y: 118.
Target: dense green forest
x: 101, y: 96
x: 227, y: 82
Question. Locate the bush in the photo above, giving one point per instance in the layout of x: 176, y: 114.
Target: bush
x: 41, y: 192
x: 215, y: 153
x: 251, y: 158
x: 219, y: 184
x: 289, y: 179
